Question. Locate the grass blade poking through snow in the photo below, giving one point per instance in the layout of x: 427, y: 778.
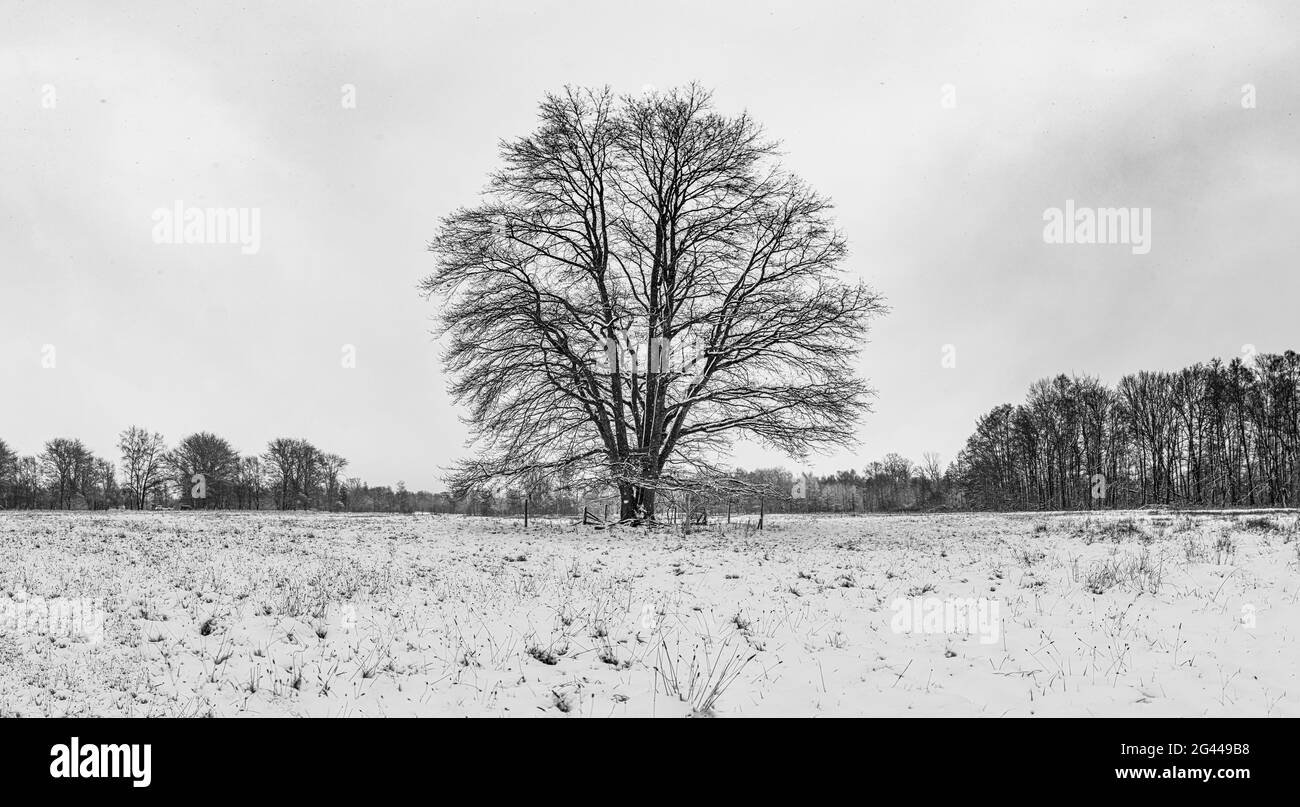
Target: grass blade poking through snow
x: 706, y: 678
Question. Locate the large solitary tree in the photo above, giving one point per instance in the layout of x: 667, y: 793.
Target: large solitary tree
x: 643, y: 283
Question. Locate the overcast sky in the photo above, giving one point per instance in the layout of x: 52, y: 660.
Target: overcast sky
x: 216, y: 104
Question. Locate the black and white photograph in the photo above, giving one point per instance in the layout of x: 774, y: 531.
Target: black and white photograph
x: 826, y: 359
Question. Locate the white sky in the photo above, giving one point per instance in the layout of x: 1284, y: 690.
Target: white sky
x: 219, y: 105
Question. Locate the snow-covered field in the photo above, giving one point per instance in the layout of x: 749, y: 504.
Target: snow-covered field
x: 239, y: 614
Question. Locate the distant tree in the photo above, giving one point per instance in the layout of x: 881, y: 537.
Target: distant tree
x: 353, y: 495
x: 66, y: 460
x: 279, y: 460
x: 8, y: 471
x: 144, y: 462
x: 100, y: 488
x: 931, y: 467
x: 27, y: 482
x: 249, y: 482
x: 308, y: 470
x: 332, y: 466
x: 297, y: 469
x: 213, y: 459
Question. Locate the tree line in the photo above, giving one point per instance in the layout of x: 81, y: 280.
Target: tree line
x: 293, y: 474
x: 892, y: 484
x: 1213, y: 434
x: 202, y: 471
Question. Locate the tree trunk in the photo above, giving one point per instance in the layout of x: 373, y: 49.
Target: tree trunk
x: 636, y: 504
x: 627, y: 501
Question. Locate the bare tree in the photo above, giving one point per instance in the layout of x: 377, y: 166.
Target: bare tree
x: 279, y: 467
x: 249, y: 482
x: 332, y: 465
x: 143, y: 458
x: 211, y: 457
x: 100, y: 484
x: 932, y: 467
x: 307, y: 470
x: 296, y: 467
x: 65, y: 460
x: 8, y: 472
x: 27, y: 481
x: 643, y: 284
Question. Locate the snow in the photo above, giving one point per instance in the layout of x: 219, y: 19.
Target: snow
x: 255, y: 614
